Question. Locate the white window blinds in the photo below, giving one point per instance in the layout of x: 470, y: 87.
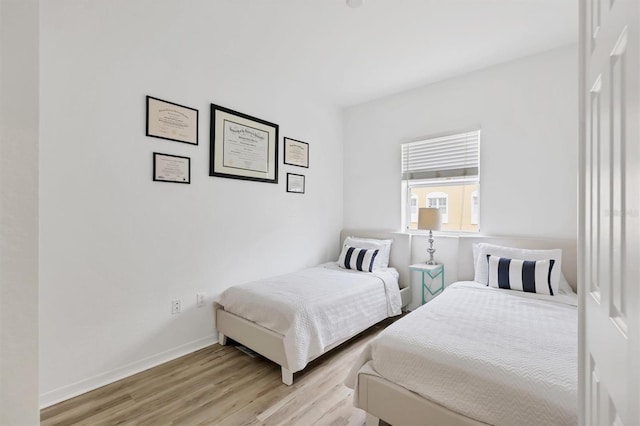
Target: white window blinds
x: 453, y: 156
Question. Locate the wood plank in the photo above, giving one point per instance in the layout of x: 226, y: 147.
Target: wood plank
x: 221, y: 385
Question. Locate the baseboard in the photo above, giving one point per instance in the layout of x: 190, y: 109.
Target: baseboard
x: 69, y: 391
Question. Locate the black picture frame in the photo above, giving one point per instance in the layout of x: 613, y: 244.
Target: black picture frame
x: 242, y: 146
x: 164, y: 178
x: 290, y: 183
x: 176, y: 118
x: 296, y: 153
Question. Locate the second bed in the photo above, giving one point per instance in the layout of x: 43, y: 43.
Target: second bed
x: 478, y: 355
x: 294, y: 318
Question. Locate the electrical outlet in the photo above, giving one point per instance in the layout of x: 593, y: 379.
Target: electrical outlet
x: 200, y: 300
x: 176, y: 306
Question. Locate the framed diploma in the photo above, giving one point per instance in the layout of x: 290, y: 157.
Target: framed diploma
x: 171, y: 168
x: 242, y: 146
x: 296, y: 153
x: 166, y: 120
x: 295, y: 183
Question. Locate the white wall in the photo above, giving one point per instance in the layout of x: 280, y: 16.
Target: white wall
x: 19, y: 212
x: 527, y: 110
x: 115, y: 247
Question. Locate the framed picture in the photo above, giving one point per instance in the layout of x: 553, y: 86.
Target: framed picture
x: 296, y: 153
x: 295, y: 183
x: 171, y: 168
x: 242, y: 146
x: 166, y: 120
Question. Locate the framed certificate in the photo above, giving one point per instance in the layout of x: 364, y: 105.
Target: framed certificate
x: 166, y: 120
x: 242, y: 146
x: 295, y: 183
x: 171, y: 168
x: 296, y: 153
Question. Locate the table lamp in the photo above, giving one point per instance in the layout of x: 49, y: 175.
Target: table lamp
x: 429, y: 218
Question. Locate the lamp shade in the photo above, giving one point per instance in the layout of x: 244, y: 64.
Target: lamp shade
x: 429, y: 218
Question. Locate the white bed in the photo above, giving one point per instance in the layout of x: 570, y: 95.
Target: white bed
x: 475, y: 355
x: 295, y: 318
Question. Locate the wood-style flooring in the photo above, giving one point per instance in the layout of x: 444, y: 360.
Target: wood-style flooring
x: 220, y: 385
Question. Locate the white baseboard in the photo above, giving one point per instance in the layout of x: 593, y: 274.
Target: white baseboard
x: 69, y: 391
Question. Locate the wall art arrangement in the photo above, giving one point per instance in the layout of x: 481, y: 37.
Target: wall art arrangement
x: 173, y: 122
x: 167, y: 120
x: 295, y: 183
x: 296, y: 153
x: 171, y: 168
x: 242, y: 146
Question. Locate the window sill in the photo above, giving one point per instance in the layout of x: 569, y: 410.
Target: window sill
x: 454, y: 234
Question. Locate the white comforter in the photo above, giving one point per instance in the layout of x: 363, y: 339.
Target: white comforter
x: 316, y: 307
x: 499, y: 356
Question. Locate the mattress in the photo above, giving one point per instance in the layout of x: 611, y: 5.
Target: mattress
x: 316, y: 307
x: 498, y: 356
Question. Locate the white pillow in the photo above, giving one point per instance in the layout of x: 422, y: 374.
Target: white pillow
x: 358, y: 259
x: 382, y: 259
x: 531, y: 276
x: 481, y: 250
x: 565, y: 287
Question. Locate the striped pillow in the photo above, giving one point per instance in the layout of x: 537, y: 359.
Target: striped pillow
x: 360, y: 259
x: 522, y: 275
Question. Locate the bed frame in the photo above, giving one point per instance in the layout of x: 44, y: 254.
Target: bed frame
x: 383, y: 399
x: 271, y: 344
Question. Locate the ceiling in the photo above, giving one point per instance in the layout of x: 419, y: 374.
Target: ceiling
x: 352, y: 55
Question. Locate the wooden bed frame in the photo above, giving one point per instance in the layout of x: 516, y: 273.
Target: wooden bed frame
x: 271, y: 344
x: 383, y: 399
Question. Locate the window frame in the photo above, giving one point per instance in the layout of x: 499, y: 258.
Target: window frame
x: 435, y: 178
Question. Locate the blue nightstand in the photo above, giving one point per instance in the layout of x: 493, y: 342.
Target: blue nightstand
x: 432, y: 271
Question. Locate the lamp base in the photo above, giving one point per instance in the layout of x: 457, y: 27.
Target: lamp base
x: 431, y: 250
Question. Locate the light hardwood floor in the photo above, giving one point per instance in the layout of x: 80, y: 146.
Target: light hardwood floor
x: 219, y: 385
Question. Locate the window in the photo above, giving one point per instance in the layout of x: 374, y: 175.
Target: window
x: 414, y: 208
x: 475, y: 207
x: 439, y: 200
x: 443, y: 172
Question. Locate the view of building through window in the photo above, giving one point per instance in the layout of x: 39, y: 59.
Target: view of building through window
x: 443, y: 172
x: 458, y: 205
x: 440, y: 201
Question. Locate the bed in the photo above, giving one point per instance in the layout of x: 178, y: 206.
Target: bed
x: 294, y: 318
x: 476, y: 355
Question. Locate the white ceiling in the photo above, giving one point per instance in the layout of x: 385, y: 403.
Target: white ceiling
x: 353, y: 55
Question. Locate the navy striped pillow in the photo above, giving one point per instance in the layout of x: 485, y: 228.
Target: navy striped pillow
x: 522, y: 275
x: 360, y: 259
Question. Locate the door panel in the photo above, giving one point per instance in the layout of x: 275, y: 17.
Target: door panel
x: 609, y: 219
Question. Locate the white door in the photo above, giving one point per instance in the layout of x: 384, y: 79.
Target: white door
x: 610, y: 213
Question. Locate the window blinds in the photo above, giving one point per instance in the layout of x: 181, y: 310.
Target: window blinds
x: 453, y: 156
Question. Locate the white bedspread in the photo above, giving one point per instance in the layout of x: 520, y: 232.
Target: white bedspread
x: 316, y: 307
x: 502, y: 357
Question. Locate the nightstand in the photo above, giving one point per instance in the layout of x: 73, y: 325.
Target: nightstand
x: 435, y: 273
